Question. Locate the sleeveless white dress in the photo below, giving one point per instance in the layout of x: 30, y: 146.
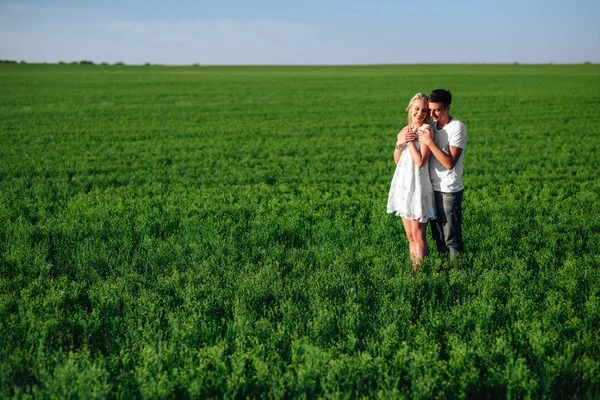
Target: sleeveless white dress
x: 411, y: 193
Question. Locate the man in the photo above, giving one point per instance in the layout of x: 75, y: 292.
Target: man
x: 447, y: 143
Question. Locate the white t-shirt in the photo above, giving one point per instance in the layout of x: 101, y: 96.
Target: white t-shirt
x: 442, y: 179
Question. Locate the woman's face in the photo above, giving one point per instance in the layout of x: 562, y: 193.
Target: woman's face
x: 419, y: 111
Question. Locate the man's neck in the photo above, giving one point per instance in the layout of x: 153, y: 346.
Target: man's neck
x: 441, y: 124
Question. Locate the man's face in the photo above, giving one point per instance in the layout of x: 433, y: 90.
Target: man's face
x: 438, y: 112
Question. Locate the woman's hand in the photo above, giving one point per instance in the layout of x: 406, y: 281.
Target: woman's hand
x: 406, y: 135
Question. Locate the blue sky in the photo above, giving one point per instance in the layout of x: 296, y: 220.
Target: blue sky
x: 300, y: 32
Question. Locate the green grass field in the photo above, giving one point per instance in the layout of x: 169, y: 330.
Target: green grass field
x: 198, y: 232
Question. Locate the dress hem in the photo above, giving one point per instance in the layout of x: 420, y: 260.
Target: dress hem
x: 420, y: 219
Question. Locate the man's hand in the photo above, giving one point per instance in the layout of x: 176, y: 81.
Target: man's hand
x: 426, y: 136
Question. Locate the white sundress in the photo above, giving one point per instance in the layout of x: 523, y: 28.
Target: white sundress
x: 411, y: 193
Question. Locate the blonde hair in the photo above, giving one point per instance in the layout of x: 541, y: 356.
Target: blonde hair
x: 418, y: 96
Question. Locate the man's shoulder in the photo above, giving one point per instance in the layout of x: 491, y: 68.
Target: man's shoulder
x: 452, y: 125
x: 456, y: 127
x: 456, y: 124
x: 457, y: 133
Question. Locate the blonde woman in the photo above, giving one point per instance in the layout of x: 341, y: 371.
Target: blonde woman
x: 411, y: 193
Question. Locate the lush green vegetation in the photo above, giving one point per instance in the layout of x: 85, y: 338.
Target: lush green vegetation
x: 221, y: 231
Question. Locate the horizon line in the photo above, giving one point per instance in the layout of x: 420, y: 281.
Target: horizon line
x: 149, y: 64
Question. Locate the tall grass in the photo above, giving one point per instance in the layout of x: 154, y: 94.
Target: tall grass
x: 221, y: 232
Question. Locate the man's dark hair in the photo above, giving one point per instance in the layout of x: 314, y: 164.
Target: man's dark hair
x: 442, y: 96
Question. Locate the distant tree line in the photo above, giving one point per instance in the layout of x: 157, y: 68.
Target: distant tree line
x: 85, y: 62
x: 88, y: 62
x: 82, y: 62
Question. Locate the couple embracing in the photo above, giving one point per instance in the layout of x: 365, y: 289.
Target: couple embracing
x: 427, y: 183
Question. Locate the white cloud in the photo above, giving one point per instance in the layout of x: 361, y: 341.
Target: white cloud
x: 217, y: 30
x: 37, y: 33
x: 124, y: 26
x: 19, y: 7
x: 218, y: 41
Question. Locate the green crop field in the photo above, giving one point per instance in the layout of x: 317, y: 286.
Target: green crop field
x: 194, y: 232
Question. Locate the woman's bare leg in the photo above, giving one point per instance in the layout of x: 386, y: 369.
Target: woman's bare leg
x: 412, y: 244
x: 421, y: 250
